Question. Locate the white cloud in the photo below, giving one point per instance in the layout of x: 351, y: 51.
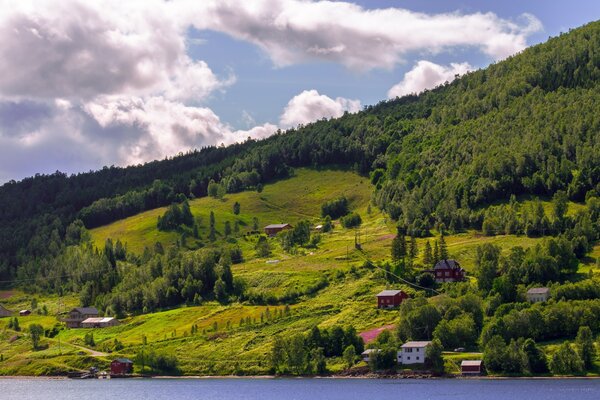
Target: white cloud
x: 88, y: 83
x: 311, y: 106
x: 295, y: 31
x: 76, y: 49
x: 168, y: 127
x: 427, y: 75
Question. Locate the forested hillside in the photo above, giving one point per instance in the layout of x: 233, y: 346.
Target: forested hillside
x: 527, y: 125
x: 499, y: 170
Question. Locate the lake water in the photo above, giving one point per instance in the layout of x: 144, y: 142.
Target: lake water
x: 298, y: 389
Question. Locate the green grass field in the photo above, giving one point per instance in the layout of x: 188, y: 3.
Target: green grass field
x: 221, y: 344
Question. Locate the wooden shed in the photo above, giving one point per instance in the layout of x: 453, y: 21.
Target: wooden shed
x: 471, y: 367
x: 121, y: 366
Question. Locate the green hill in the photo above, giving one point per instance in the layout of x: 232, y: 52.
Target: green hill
x: 499, y: 169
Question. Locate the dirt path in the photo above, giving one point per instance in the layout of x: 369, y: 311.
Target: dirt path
x: 91, y: 352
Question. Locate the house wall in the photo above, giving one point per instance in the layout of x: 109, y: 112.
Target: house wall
x: 412, y: 355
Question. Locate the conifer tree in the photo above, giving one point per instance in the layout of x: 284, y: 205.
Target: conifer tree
x: 443, y: 249
x: 427, y: 256
x: 413, y: 250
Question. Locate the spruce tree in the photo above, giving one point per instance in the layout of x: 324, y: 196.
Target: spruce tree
x: 443, y: 249
x: 427, y: 256
x: 436, y: 252
x: 413, y: 250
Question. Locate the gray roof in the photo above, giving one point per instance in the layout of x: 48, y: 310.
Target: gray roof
x: 275, y: 226
x: 389, y: 292
x: 97, y: 320
x: 87, y: 310
x: 471, y: 363
x: 538, y: 290
x: 447, y: 264
x: 416, y: 344
x: 123, y: 360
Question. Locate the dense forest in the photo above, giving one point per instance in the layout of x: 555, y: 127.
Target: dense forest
x: 524, y: 126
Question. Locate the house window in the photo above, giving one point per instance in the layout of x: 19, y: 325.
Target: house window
x: 408, y: 358
x: 417, y: 358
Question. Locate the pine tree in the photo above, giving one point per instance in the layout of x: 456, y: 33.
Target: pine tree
x: 236, y: 226
x: 212, y: 233
x: 227, y: 229
x: 398, y: 247
x: 413, y: 250
x: 436, y: 252
x: 427, y: 256
x: 443, y: 249
x: 236, y: 208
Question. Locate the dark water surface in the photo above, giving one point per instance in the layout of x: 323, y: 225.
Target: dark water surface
x: 299, y: 389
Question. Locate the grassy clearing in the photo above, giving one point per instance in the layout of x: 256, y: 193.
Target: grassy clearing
x: 290, y: 200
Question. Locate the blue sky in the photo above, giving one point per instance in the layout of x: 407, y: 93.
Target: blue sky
x: 85, y: 84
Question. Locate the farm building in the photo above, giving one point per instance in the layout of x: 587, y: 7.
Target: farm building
x: 80, y: 314
x: 4, y: 312
x: 536, y: 295
x: 121, y: 366
x: 102, y: 322
x: 448, y: 271
x: 366, y: 355
x: 274, y: 229
x: 471, y: 367
x: 24, y: 313
x: 412, y: 353
x: 390, y: 298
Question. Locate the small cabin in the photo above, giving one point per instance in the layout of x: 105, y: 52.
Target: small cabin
x: 471, y: 367
x: 390, y: 298
x: 448, y: 271
x: 538, y: 295
x: 24, y: 313
x: 366, y: 355
x: 121, y: 366
x: 274, y: 229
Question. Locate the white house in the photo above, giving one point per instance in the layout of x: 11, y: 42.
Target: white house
x: 412, y: 353
x: 366, y: 355
x: 537, y: 295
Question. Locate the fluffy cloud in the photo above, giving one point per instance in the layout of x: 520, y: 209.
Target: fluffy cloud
x: 79, y: 49
x: 427, y: 75
x: 310, y: 106
x: 88, y: 83
x: 293, y: 31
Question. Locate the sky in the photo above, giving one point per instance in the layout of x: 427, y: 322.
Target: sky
x: 85, y: 84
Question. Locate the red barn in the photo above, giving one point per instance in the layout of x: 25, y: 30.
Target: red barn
x: 448, y: 271
x: 390, y: 298
x: 274, y: 229
x: 121, y: 366
x: 471, y: 367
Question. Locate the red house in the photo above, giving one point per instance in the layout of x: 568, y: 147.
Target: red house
x: 390, y: 298
x: 121, y: 366
x: 274, y: 229
x: 448, y: 271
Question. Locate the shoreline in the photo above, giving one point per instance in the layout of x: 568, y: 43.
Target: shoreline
x: 333, y: 377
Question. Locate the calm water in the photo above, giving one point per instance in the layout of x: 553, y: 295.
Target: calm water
x: 298, y: 389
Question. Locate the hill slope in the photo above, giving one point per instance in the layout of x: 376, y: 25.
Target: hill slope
x: 526, y: 125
